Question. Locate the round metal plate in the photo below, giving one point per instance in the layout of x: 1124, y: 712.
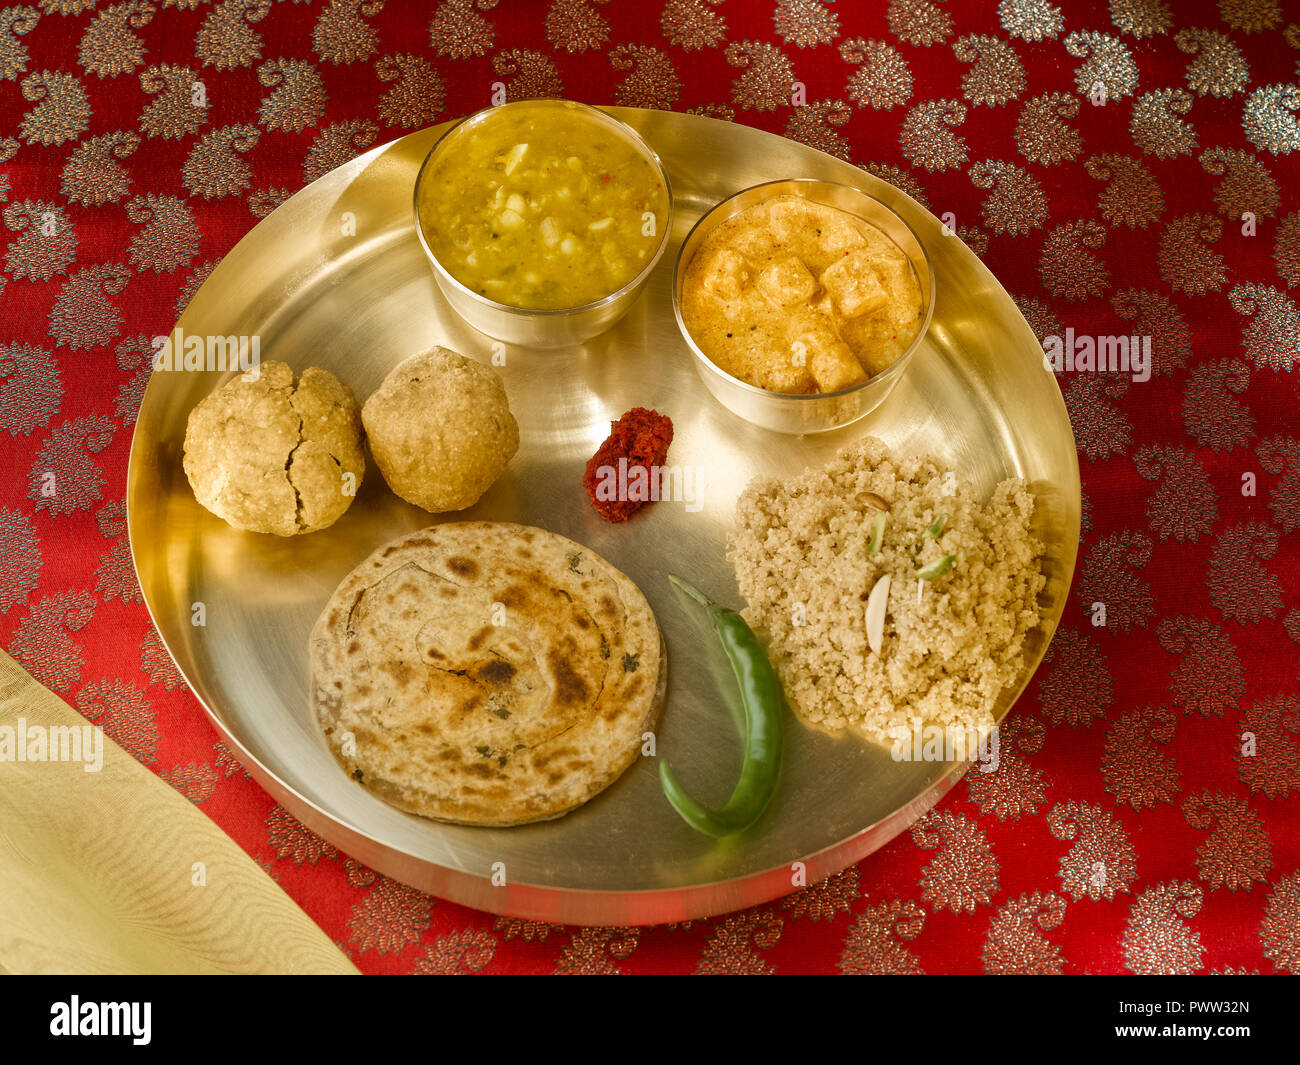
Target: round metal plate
x: 335, y: 278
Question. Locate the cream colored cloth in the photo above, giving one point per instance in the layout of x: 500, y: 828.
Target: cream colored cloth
x: 98, y: 870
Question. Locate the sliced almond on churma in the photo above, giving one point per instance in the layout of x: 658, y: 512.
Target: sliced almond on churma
x: 876, y: 603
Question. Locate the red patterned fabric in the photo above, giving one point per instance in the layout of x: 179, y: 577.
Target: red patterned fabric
x: 1100, y: 158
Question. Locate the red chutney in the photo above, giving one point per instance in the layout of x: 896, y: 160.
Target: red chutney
x: 622, y: 477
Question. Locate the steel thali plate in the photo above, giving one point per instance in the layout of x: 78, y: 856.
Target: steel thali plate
x: 356, y: 297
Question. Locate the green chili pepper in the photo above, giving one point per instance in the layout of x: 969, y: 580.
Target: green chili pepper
x: 936, y: 530
x: 761, y: 694
x: 937, y: 568
x: 877, y: 532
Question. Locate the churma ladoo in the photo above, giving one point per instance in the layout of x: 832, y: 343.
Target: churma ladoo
x: 275, y: 455
x: 797, y: 297
x: 440, y: 430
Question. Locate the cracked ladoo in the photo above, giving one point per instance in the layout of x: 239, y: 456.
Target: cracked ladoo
x: 486, y: 673
x: 273, y: 456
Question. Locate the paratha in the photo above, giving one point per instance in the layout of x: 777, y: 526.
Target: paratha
x: 486, y: 673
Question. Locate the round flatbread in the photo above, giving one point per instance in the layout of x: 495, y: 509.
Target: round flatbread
x: 486, y: 673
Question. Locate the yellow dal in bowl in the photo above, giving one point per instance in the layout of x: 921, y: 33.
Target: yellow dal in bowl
x: 544, y: 208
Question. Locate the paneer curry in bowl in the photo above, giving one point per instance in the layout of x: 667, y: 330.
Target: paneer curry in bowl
x: 802, y: 301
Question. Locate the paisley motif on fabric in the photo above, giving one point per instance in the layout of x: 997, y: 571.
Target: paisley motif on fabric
x: 390, y: 917
x: 158, y: 664
x: 14, y: 56
x: 1212, y: 417
x: 594, y: 951
x: 62, y: 111
x: 20, y: 559
x: 1241, y: 586
x: 1187, y: 262
x: 41, y: 644
x: 1237, y: 853
x: 919, y: 22
x: 1102, y: 861
x: 964, y: 874
x: 417, y: 96
x: 826, y: 899
x: 459, y: 31
x: 1100, y: 427
x: 1069, y: 267
x: 1157, y: 939
x: 1268, y: 756
x: 181, y: 103
x: 1031, y: 20
x: 1017, y: 204
x: 1210, y: 678
x: 216, y: 168
x: 653, y: 80
x: 577, y: 25
x: 805, y: 23
x: 469, y: 950
x: 1133, y: 767
x: 733, y: 946
x: 1132, y: 196
x: 1184, y: 506
x: 170, y: 237
x: 1077, y: 688
x: 125, y: 714
x: 1042, y: 134
x: 336, y: 144
x: 297, y: 100
x: 882, y: 80
x: 115, y: 576
x: 768, y: 79
x: 1015, y: 787
x: 814, y: 124
x: 227, y: 39
x: 343, y: 35
x: 1157, y: 130
x: 63, y: 476
x: 1141, y: 18
x: 1272, y: 338
x: 532, y: 75
x: 1108, y: 72
x: 293, y: 840
x: 1016, y: 945
x: 1156, y: 315
x: 997, y: 76
x: 1280, y: 456
x: 1219, y: 68
x: 692, y: 24
x: 110, y: 46
x: 1109, y: 578
x: 1279, y: 931
x: 874, y: 946
x: 926, y: 139
x: 92, y: 174
x: 194, y: 780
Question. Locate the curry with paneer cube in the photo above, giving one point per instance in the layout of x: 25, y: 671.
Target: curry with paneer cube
x: 798, y: 297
